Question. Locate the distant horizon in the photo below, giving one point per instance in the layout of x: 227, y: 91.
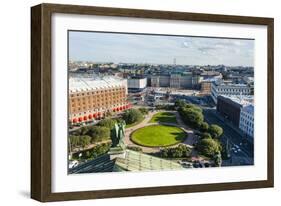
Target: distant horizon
x: 160, y: 64
x: 118, y: 48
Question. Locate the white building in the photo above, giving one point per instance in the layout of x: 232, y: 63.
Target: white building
x: 137, y: 83
x: 220, y: 88
x: 246, y: 123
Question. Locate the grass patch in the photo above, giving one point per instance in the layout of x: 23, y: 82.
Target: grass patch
x: 135, y: 123
x: 164, y: 117
x: 158, y: 136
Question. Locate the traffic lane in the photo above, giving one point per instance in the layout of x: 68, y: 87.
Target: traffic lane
x: 233, y: 138
x: 229, y: 133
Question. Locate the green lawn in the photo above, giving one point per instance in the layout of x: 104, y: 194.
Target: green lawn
x: 135, y: 123
x: 158, y: 136
x: 164, y: 117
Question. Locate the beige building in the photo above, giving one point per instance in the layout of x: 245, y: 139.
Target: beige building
x: 206, y: 87
x: 92, y: 98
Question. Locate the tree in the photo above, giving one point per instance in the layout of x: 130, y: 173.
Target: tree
x: 135, y: 148
x: 204, y: 127
x: 99, y: 133
x: 164, y: 153
x: 218, y: 159
x: 206, y: 135
x: 108, y: 123
x: 83, y: 130
x: 143, y: 110
x: 180, y: 103
x: 74, y: 141
x: 208, y: 147
x: 192, y: 117
x: 84, y: 141
x: 132, y: 116
x: 193, y: 107
x: 215, y: 130
x: 176, y: 152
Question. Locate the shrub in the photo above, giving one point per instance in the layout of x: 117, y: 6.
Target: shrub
x: 180, y: 103
x: 132, y: 116
x: 143, y: 110
x: 206, y: 135
x: 215, y: 130
x: 176, y: 152
x: 109, y: 123
x: 135, y: 148
x: 192, y: 117
x: 93, y: 152
x: 208, y: 147
x: 79, y: 141
x: 98, y: 133
x: 204, y: 127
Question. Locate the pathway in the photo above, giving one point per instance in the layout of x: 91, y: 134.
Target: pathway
x: 190, y: 140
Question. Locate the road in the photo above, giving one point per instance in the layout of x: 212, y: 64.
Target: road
x: 234, y: 137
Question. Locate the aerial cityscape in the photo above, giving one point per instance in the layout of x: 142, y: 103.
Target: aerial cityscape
x: 156, y: 102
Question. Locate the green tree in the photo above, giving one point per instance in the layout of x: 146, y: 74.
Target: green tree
x: 176, y: 152
x: 84, y: 140
x: 194, y: 107
x: 99, y: 133
x: 218, y: 159
x: 192, y: 117
x: 164, y: 153
x: 74, y: 141
x: 109, y: 123
x: 204, y: 127
x: 132, y: 116
x: 135, y: 148
x: 143, y: 110
x: 215, y: 130
x: 206, y: 135
x: 180, y: 103
x: 208, y: 147
x: 84, y: 130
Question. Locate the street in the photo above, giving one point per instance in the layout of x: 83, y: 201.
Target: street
x: 244, y: 152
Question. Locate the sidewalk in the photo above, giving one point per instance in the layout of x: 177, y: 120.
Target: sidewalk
x: 190, y: 140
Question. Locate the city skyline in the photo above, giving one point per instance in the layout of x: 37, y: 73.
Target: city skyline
x: 159, y: 49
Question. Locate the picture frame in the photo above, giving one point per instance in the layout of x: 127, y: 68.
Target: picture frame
x: 41, y: 101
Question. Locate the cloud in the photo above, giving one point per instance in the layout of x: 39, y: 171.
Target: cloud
x: 132, y: 48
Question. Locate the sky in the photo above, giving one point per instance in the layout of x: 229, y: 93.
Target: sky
x: 155, y: 49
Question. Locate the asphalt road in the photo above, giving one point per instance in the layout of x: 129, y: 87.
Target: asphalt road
x: 243, y: 157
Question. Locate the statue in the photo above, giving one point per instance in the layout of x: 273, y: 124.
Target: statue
x: 118, y: 135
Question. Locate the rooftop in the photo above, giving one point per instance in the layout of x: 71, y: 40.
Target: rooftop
x: 229, y: 83
x: 137, y: 161
x: 78, y: 84
x: 243, y: 100
x: 249, y: 108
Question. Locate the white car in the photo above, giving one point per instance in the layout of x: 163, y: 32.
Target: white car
x: 73, y: 164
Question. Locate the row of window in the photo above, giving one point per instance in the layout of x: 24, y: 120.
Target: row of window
x: 233, y: 90
x: 247, y: 130
x: 97, y: 99
x: 75, y: 109
x: 247, y: 116
x: 98, y: 92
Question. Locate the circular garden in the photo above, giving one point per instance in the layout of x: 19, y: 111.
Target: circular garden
x: 158, y: 136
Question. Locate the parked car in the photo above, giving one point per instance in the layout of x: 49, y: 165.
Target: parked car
x: 73, y: 164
